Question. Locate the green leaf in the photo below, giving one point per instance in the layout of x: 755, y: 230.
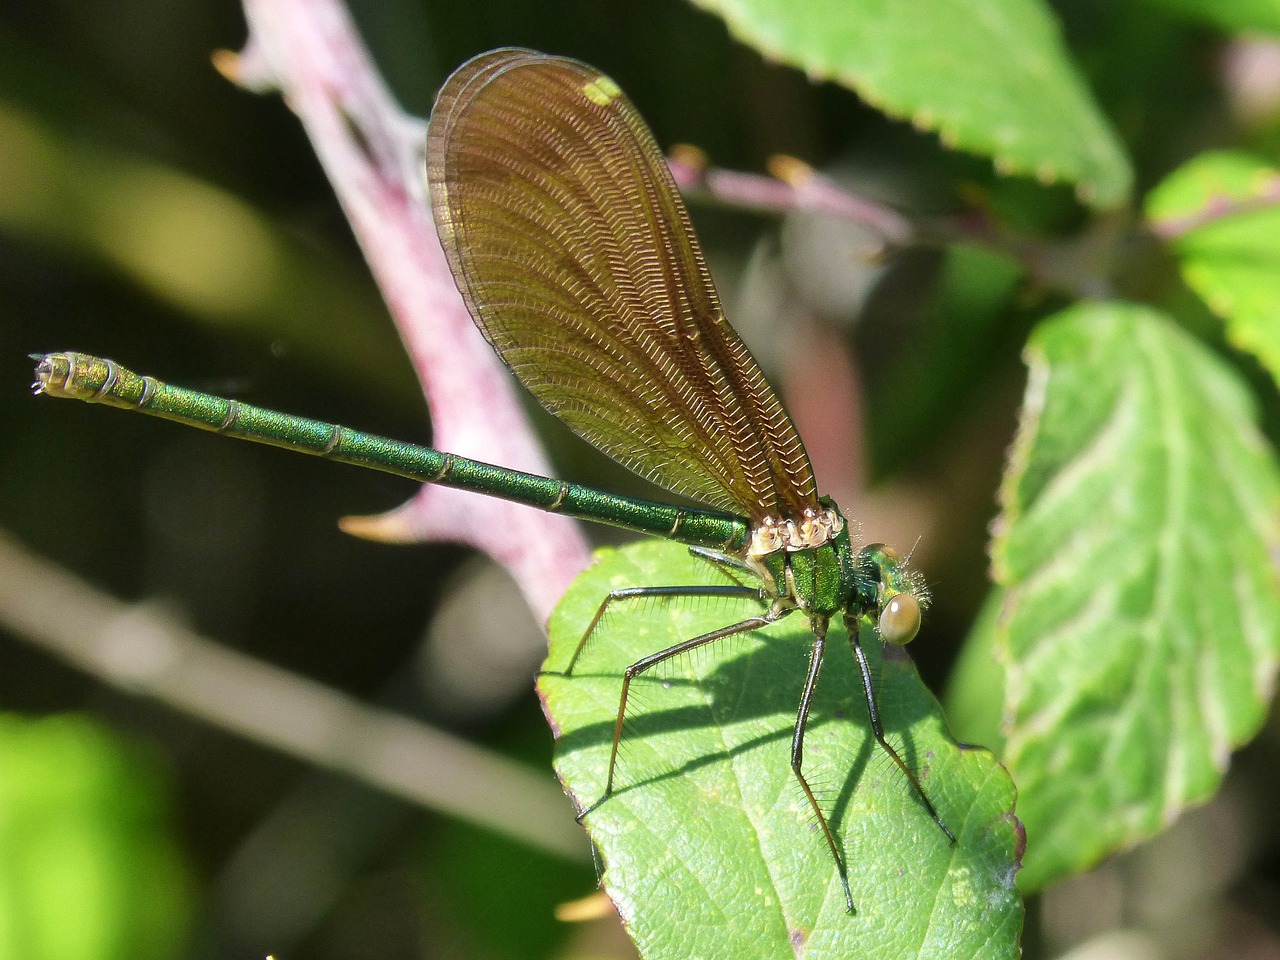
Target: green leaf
x: 708, y: 846
x: 975, y: 690
x: 90, y: 870
x: 1142, y: 616
x: 1234, y: 15
x: 1233, y: 263
x: 989, y: 76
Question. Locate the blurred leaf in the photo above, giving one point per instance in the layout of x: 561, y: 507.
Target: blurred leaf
x: 989, y: 76
x: 195, y: 246
x: 90, y: 870
x: 1232, y: 262
x: 1233, y: 15
x: 708, y: 845
x: 470, y: 869
x: 975, y: 692
x: 476, y: 869
x: 1136, y: 547
x: 916, y: 399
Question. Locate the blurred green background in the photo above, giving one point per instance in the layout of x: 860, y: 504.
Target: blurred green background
x: 152, y: 212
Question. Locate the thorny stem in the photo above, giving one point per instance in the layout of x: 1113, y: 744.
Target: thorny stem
x: 1079, y: 265
x: 371, y: 150
x: 1076, y: 265
x: 794, y: 186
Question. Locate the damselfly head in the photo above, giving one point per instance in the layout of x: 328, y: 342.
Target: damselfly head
x: 902, y: 594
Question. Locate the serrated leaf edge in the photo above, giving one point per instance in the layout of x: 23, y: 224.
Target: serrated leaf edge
x: 924, y: 119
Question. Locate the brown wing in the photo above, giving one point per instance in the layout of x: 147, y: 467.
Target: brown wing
x: 577, y: 260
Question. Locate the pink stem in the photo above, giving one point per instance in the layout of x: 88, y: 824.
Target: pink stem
x: 371, y: 151
x: 794, y: 186
x: 1219, y: 207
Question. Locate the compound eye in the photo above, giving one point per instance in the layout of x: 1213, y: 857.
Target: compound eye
x: 900, y: 620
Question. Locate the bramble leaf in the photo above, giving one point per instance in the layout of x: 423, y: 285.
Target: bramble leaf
x: 989, y: 76
x: 708, y: 846
x: 1233, y: 263
x: 1141, y: 620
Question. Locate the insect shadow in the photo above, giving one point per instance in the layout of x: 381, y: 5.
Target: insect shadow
x: 757, y: 677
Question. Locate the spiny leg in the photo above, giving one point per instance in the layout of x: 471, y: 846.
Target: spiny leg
x: 726, y: 563
x: 797, y: 752
x: 635, y: 593
x: 877, y: 727
x: 651, y: 661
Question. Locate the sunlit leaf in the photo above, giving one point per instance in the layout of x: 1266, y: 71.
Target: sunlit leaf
x: 1142, y: 616
x: 90, y: 870
x: 1232, y: 262
x: 708, y: 846
x: 989, y: 76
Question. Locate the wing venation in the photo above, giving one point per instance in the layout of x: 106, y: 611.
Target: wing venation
x: 576, y: 257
